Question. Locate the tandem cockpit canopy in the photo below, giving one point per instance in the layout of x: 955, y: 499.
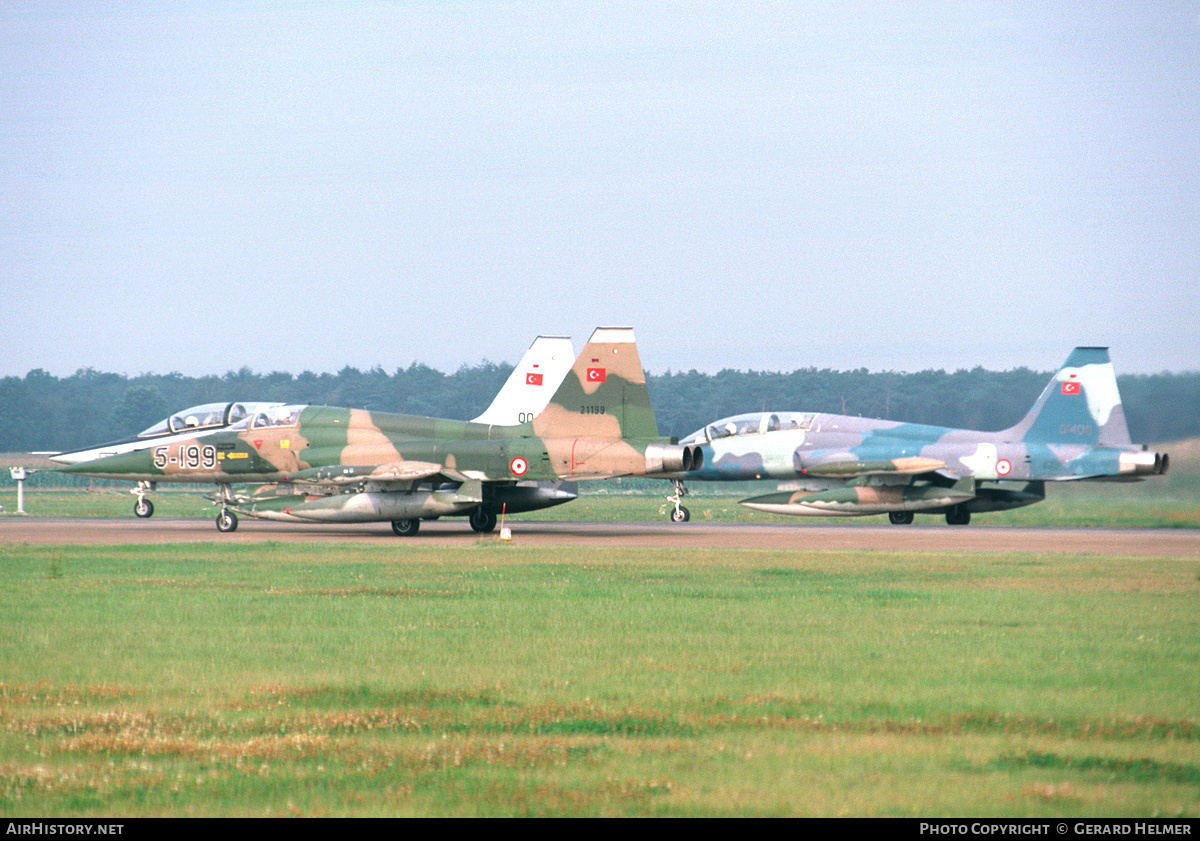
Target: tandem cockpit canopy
x: 271, y: 414
x: 207, y: 416
x: 751, y: 424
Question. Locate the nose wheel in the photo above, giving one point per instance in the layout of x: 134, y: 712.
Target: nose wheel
x: 678, y: 514
x: 143, y: 508
x: 227, y: 521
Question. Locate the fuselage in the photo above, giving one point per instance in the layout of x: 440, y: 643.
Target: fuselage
x: 323, y: 443
x: 790, y: 446
x: 838, y: 465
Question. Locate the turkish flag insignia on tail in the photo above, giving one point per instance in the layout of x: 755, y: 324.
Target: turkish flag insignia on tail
x: 533, y: 379
x: 597, y: 375
x: 1071, y: 387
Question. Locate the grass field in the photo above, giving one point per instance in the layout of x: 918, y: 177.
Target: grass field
x: 490, y: 679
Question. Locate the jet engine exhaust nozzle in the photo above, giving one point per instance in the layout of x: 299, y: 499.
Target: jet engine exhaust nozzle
x: 673, y: 458
x: 1145, y: 463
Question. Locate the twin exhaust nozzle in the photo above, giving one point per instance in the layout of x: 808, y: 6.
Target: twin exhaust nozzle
x: 673, y: 458
x: 1144, y: 463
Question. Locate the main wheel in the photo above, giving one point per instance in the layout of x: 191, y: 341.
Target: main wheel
x: 900, y: 518
x: 227, y: 521
x: 143, y: 508
x: 406, y: 528
x: 482, y: 519
x: 958, y: 516
x: 680, y: 515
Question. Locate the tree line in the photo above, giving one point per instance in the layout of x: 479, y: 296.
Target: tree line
x: 43, y: 412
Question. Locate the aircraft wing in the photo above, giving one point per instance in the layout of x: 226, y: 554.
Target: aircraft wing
x: 392, y: 471
x: 828, y: 464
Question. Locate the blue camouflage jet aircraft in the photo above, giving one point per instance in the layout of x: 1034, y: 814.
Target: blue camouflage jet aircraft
x: 835, y: 465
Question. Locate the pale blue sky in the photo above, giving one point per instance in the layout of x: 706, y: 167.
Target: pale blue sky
x: 198, y: 187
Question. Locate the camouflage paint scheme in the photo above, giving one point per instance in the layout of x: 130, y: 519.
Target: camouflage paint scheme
x: 522, y: 396
x: 834, y: 465
x: 329, y: 464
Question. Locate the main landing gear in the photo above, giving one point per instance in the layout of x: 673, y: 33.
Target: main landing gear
x: 406, y: 528
x: 958, y: 515
x: 679, y: 514
x: 482, y: 520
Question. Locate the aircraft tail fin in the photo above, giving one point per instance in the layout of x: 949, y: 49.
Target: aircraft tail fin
x: 528, y: 388
x: 1080, y: 405
x: 604, y: 395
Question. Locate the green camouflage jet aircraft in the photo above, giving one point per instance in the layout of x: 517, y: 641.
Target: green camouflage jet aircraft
x: 523, y: 395
x: 328, y: 464
x: 834, y: 465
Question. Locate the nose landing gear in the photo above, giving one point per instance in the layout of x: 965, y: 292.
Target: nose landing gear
x: 143, y: 508
x: 678, y: 514
x: 227, y: 521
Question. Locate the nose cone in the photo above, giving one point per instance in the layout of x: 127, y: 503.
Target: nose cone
x: 82, y: 455
x: 137, y: 465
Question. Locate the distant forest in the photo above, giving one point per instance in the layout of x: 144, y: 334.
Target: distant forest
x: 43, y: 412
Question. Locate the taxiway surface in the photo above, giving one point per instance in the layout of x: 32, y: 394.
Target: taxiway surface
x: 802, y: 535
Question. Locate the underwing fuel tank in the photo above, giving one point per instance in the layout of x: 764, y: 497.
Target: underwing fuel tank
x: 532, y: 496
x: 364, y: 507
x: 994, y: 498
x: 857, y: 501
x: 286, y: 503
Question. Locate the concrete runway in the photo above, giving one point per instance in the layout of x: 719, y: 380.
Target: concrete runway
x: 801, y: 535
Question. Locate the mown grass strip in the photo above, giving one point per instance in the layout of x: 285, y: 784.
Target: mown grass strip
x: 271, y: 679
